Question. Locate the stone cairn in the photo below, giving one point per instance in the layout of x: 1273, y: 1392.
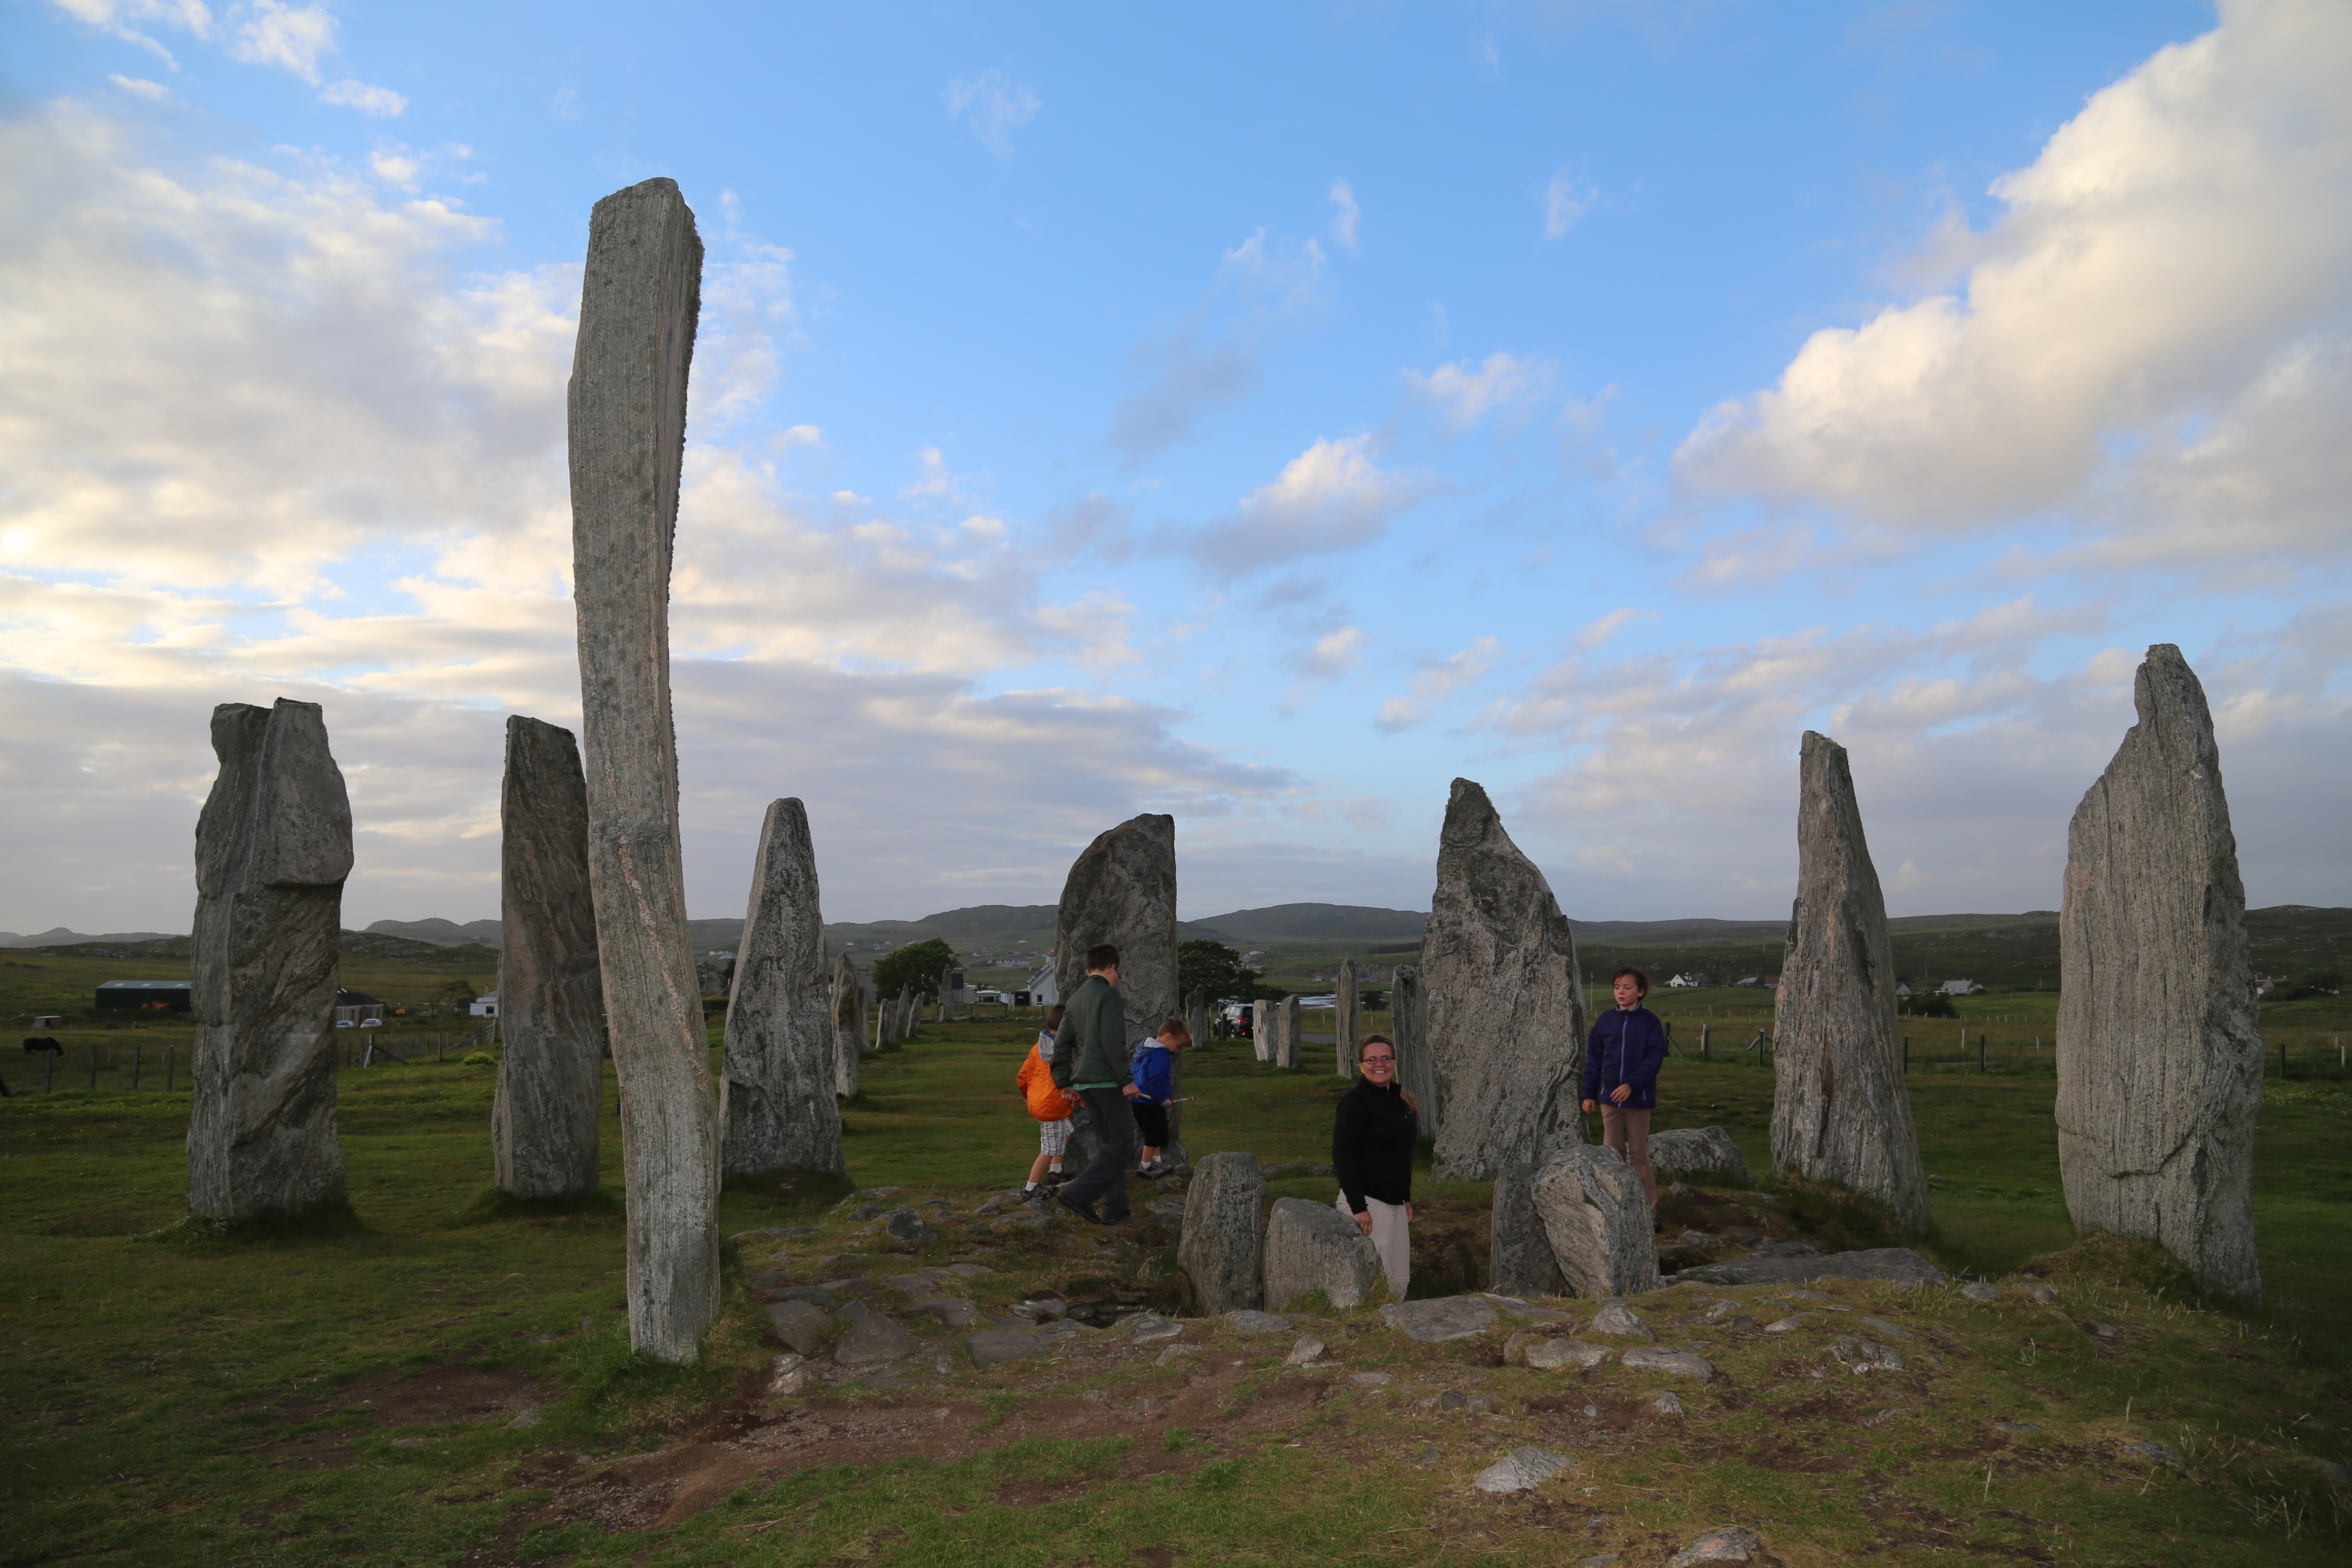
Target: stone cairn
x: 1408, y: 1023
x: 1220, y: 1246
x: 845, y: 997
x: 783, y: 1049
x: 1349, y: 1018
x: 1839, y: 1110
x: 551, y: 995
x: 1506, y: 1002
x: 640, y: 298
x: 273, y: 847
x: 1122, y: 890
x: 2159, y: 1038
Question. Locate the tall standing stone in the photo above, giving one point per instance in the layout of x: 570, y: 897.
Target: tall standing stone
x: 2159, y: 1038
x: 1122, y: 890
x: 1506, y: 1002
x: 1220, y: 1246
x: 551, y: 1066
x: 1262, y: 1028
x: 1598, y: 1219
x: 864, y: 1008
x: 845, y: 994
x: 639, y: 297
x: 273, y: 847
x: 778, y: 1079
x: 1839, y: 1110
x: 1196, y: 1015
x: 1408, y: 1026
x: 1285, y: 1035
x: 1348, y: 1019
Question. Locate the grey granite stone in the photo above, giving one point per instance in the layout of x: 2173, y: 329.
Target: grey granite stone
x: 1250, y: 1321
x: 1522, y: 1469
x: 1899, y: 1265
x: 1443, y: 1318
x: 1731, y: 1544
x: 801, y: 1325
x: 1681, y: 1363
x: 778, y: 1077
x: 1313, y: 1246
x: 1598, y: 1219
x: 1705, y: 1155
x: 1520, y: 1256
x: 1220, y: 1252
x: 1122, y: 890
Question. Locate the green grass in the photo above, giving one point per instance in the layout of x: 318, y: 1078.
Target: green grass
x: 193, y: 1399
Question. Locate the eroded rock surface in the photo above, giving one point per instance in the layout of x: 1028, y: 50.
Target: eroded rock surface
x: 1520, y: 1261
x: 1220, y: 1249
x: 1702, y: 1154
x: 1122, y: 890
x: 1313, y: 1246
x: 1598, y: 1219
x: 784, y: 1048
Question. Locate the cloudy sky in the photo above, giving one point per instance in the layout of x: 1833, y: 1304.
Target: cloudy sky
x: 1259, y: 414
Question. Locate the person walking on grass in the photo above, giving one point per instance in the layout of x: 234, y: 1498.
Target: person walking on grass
x: 1620, y: 1075
x: 1154, y: 1089
x: 1372, y: 1153
x: 1090, y: 1061
x: 1049, y: 1103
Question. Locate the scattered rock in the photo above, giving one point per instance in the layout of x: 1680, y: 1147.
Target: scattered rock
x: 1028, y: 1219
x: 955, y: 1314
x: 1428, y: 1457
x: 871, y: 1340
x: 1667, y: 1404
x: 907, y: 1226
x: 2157, y: 1452
x: 1980, y: 1291
x: 815, y: 1295
x: 2104, y: 1330
x: 1313, y: 1246
x: 1705, y: 1152
x: 992, y: 1346
x: 1452, y: 1399
x: 1728, y: 1545
x: 1696, y: 1238
x: 1788, y: 1324
x: 1860, y: 1355
x: 800, y: 1326
x: 1743, y: 1322
x: 1150, y: 1327
x: 1251, y: 1322
x: 2043, y: 1294
x: 1308, y: 1348
x: 1437, y: 1320
x: 1899, y: 1265
x: 1559, y: 1355
x: 865, y: 1211
x: 1618, y: 1322
x: 528, y: 1418
x: 1522, y: 1469
x: 788, y: 1377
x: 1372, y: 1379
x: 851, y: 1310
x: 1598, y: 1559
x: 1682, y: 1363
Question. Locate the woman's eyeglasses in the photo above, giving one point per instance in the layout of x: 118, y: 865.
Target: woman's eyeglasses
x: 1379, y: 1061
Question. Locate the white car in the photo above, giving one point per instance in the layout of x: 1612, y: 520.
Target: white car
x: 371, y: 1023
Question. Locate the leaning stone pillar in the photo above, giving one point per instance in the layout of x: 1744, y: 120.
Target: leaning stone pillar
x: 2159, y: 1036
x: 1349, y: 1020
x: 1505, y: 1001
x: 1839, y: 1110
x: 777, y: 1085
x: 551, y: 1069
x: 273, y: 847
x: 639, y: 298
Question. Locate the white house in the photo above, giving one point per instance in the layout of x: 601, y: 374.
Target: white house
x: 1042, y: 990
x: 1961, y: 987
x: 1687, y: 982
x: 484, y: 1005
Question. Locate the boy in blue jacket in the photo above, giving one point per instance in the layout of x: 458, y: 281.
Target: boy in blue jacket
x: 1154, y: 1089
x: 1620, y: 1074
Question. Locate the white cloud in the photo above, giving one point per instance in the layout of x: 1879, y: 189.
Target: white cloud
x: 1468, y: 393
x: 1599, y: 632
x: 2154, y: 332
x: 1566, y: 200
x: 127, y: 19
x: 139, y: 87
x: 272, y: 33
x: 1436, y: 681
x: 1330, y: 656
x: 993, y: 106
x: 367, y: 100
x: 1330, y: 497
x: 1344, y: 213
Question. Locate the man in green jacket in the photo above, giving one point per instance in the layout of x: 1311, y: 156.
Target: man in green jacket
x: 1090, y: 1059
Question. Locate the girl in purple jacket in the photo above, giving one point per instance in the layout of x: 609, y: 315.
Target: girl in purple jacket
x: 1620, y: 1074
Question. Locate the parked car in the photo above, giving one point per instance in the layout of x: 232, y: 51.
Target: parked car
x: 371, y: 1023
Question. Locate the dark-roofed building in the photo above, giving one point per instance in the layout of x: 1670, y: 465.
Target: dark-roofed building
x: 351, y: 1006
x: 144, y: 996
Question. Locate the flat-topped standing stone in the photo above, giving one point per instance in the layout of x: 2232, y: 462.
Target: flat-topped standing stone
x: 1520, y: 1258
x: 1351, y: 1020
x: 1839, y: 1110
x: 1314, y: 1247
x: 1704, y: 1155
x: 1122, y: 890
x: 551, y: 1064
x: 640, y: 294
x: 2160, y: 1039
x: 1506, y: 1002
x: 1220, y: 1249
x: 273, y: 847
x: 777, y: 1081
x: 1598, y: 1219
x: 1408, y: 1023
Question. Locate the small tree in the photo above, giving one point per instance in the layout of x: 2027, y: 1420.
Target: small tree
x: 1212, y: 966
x: 918, y: 965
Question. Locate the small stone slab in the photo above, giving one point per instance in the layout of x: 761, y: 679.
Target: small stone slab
x: 2158, y: 1453
x: 1445, y: 1318
x: 815, y: 1295
x: 1728, y: 1545
x: 1618, y: 1322
x: 1898, y: 1264
x: 907, y: 1226
x: 1981, y: 1291
x: 1667, y: 1404
x: 919, y: 1284
x: 1249, y: 1320
x: 992, y: 1346
x: 1522, y: 1469
x: 1881, y: 1326
x: 1560, y: 1355
x: 954, y: 1313
x: 1682, y: 1363
x: 872, y: 1340
x: 970, y: 1270
x: 1151, y: 1327
x: 1374, y: 1379
x: 1788, y: 1324
x: 800, y: 1326
x: 1308, y: 1348
x: 1862, y: 1355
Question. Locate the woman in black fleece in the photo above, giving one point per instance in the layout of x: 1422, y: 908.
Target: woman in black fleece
x: 1372, y: 1153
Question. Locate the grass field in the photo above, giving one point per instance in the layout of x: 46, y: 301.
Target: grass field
x: 317, y: 1399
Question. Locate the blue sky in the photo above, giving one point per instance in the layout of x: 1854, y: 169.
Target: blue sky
x: 1261, y: 417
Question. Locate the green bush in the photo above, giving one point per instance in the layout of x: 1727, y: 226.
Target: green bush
x: 477, y: 1059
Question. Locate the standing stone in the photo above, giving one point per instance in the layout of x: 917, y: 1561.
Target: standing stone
x: 1285, y: 1035
x: 1519, y: 1254
x: 551, y: 1069
x: 784, y: 1048
x: 1839, y: 1110
x: 1597, y: 1220
x: 1349, y: 1018
x: 1122, y: 890
x: 1262, y: 1028
x: 1409, y: 1023
x: 843, y: 995
x: 1196, y: 1015
x: 273, y: 846
x: 1219, y: 1252
x: 1314, y: 1247
x: 864, y: 1007
x: 640, y: 295
x: 2159, y: 1038
x: 1505, y: 1001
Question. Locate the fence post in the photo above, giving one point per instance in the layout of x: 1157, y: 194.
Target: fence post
x: 1703, y: 1031
x: 1980, y: 1054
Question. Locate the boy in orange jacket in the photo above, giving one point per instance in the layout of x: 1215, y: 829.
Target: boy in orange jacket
x: 1049, y: 1103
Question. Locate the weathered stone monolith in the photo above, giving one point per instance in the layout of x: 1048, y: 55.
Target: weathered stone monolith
x: 1348, y: 1020
x: 1220, y: 1249
x: 842, y: 994
x: 1285, y: 1036
x: 273, y: 847
x: 1506, y: 1002
x: 1409, y: 1026
x: 865, y: 994
x: 1122, y: 890
x: 1313, y: 1246
x: 1262, y: 1028
x: 778, y: 1078
x: 1196, y: 1015
x: 1597, y: 1220
x: 551, y: 995
x: 1841, y: 1111
x: 2159, y: 1038
x: 639, y: 297
x: 1520, y: 1256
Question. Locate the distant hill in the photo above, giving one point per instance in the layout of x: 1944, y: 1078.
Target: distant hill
x: 59, y: 936
x: 1313, y: 922
x: 440, y: 933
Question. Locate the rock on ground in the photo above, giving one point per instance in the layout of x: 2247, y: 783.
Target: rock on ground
x: 801, y: 1325
x: 1443, y: 1318
x: 1860, y: 1355
x: 273, y: 848
x: 1251, y: 1322
x: 1597, y: 1220
x: 776, y: 1092
x: 1553, y: 1355
x: 1308, y: 1349
x: 1898, y: 1265
x: 1728, y: 1545
x: 2159, y: 1038
x: 1682, y: 1363
x: 1702, y: 1153
x: 992, y: 1346
x: 1519, y: 1259
x: 1349, y: 1016
x: 1841, y: 1111
x: 1313, y: 1246
x: 1522, y: 1469
x: 1505, y: 1000
x: 1220, y: 1249
x: 1619, y: 1321
x: 872, y: 1338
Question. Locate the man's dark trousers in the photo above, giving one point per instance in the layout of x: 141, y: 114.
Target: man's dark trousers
x: 1103, y: 1181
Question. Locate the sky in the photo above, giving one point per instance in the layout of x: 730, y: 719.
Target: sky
x: 1260, y: 414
